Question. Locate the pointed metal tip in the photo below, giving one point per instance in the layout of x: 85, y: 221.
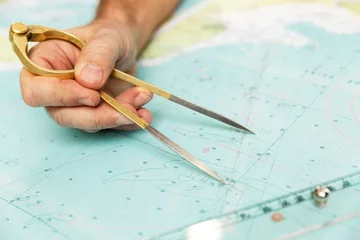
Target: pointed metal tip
x: 208, y: 113
x: 251, y: 132
x: 214, y: 175
x: 222, y: 181
x: 183, y: 153
x: 243, y: 128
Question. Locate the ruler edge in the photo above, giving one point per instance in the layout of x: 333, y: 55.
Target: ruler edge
x: 263, y: 203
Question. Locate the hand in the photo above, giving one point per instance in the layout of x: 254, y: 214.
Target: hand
x: 76, y: 103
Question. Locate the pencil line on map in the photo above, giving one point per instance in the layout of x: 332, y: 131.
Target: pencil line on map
x: 269, y: 174
x: 206, y: 136
x: 264, y: 161
x: 281, y: 135
x: 328, y: 101
x: 57, y: 167
x: 236, y: 160
x: 259, y: 77
x: 40, y: 220
x: 116, y: 188
x: 273, y: 163
x: 328, y: 115
x: 352, y: 106
x: 23, y: 178
x: 320, y: 226
x: 356, y: 233
x: 117, y: 177
x: 168, y: 152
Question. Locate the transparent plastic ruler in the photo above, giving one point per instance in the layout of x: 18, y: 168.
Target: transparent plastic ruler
x: 265, y: 207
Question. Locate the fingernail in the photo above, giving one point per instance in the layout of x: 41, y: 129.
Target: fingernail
x: 92, y: 74
x: 141, y: 99
x: 87, y: 102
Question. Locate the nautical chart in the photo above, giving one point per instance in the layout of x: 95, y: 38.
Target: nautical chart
x: 287, y: 69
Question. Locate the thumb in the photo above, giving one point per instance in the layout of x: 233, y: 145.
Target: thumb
x: 97, y: 58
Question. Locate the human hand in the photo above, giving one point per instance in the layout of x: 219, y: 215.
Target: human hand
x: 76, y: 103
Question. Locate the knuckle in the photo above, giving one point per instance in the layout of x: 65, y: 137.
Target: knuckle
x: 39, y: 54
x: 27, y: 94
x: 35, y: 51
x: 100, y: 53
x: 59, y: 119
x: 65, y: 93
x: 52, y: 54
x: 62, y: 100
x: 97, y: 123
x: 73, y: 92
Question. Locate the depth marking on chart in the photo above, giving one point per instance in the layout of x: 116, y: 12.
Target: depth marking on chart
x: 274, y: 204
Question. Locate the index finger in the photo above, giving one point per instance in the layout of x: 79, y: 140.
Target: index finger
x: 39, y: 91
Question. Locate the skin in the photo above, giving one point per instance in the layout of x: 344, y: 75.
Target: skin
x: 114, y: 38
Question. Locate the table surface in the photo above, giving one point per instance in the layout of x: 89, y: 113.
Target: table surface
x: 287, y: 69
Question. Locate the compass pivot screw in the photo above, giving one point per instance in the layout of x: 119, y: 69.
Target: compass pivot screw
x: 19, y: 28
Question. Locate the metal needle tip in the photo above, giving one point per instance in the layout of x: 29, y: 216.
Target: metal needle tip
x: 208, y: 113
x: 251, y: 132
x: 241, y: 127
x: 176, y: 148
x: 221, y: 180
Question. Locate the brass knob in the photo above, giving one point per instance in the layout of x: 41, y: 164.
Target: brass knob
x: 321, y: 196
x: 19, y: 28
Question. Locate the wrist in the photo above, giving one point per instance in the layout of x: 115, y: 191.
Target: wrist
x: 140, y: 26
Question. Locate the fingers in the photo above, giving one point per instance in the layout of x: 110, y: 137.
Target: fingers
x: 77, y: 104
x: 116, y: 86
x: 135, y: 96
x: 98, y: 57
x: 54, y: 54
x: 39, y: 91
x: 104, y: 116
x: 46, y: 91
x: 143, y: 113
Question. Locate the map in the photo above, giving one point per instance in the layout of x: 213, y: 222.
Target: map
x: 288, y: 70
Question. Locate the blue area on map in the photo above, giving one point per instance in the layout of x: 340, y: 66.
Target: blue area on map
x: 186, y: 4
x: 49, y: 13
x: 58, y: 183
x: 58, y: 14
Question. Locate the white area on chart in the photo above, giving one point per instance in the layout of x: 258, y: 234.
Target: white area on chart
x: 273, y: 27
